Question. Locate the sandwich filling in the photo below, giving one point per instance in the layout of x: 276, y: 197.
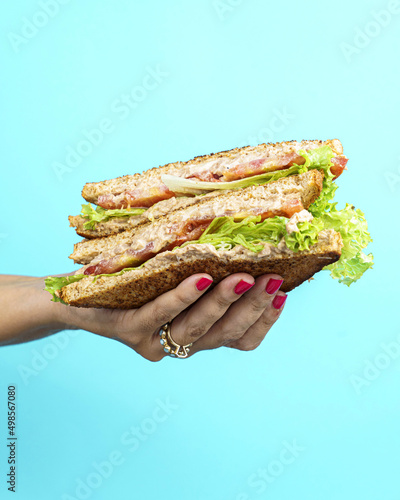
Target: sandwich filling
x: 223, y: 170
x: 177, y: 235
x: 190, y: 224
x: 263, y: 165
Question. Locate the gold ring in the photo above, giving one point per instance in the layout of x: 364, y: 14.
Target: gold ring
x: 170, y: 346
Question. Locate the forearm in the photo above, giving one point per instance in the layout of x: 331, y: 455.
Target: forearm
x: 27, y: 313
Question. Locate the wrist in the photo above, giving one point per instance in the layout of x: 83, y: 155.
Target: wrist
x: 55, y: 314
x: 50, y: 315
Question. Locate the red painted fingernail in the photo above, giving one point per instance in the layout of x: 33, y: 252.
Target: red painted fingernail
x: 278, y: 301
x: 273, y: 286
x: 203, y: 283
x: 242, y: 287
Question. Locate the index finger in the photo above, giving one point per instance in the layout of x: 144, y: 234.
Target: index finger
x: 167, y: 306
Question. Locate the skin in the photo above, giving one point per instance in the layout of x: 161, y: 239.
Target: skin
x: 209, y: 319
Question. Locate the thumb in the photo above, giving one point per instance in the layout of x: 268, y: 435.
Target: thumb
x: 167, y: 306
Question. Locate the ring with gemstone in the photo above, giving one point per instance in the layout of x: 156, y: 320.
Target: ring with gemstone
x: 170, y: 346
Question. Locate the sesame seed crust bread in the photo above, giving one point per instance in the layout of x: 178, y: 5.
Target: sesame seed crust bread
x: 166, y: 270
x: 294, y: 191
x: 93, y: 190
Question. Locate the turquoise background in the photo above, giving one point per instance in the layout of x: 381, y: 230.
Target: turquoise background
x: 233, y: 73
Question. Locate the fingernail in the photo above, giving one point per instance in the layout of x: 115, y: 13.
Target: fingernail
x: 273, y: 286
x: 278, y: 301
x: 203, y: 283
x: 242, y: 287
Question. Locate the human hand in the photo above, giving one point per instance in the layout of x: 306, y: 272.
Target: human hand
x: 238, y: 313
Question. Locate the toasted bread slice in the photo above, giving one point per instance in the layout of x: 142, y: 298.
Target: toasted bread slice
x: 292, y: 193
x: 166, y: 270
x: 152, y: 177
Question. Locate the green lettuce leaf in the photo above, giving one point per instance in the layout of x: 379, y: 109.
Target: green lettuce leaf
x: 351, y: 224
x: 94, y: 216
x: 305, y: 237
x: 190, y: 187
x: 324, y: 202
x: 321, y: 158
x: 54, y: 283
x: 224, y: 234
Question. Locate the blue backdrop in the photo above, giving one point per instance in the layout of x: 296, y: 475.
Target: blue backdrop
x: 314, y: 412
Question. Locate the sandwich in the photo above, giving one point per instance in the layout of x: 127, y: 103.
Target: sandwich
x: 263, y: 209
